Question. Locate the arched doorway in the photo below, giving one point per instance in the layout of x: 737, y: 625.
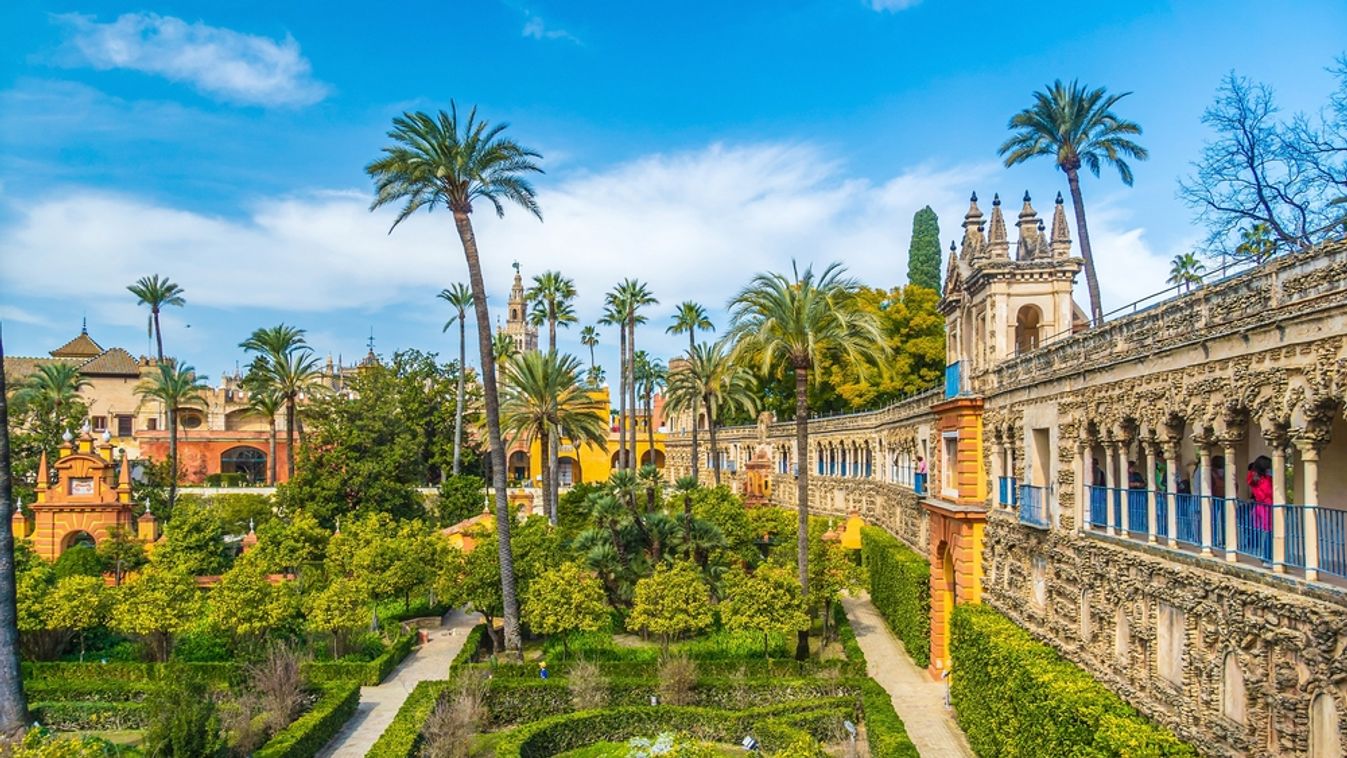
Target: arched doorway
x: 248, y: 461
x: 78, y: 538
x: 568, y: 472
x: 659, y: 458
x: 1027, y: 322
x: 518, y: 466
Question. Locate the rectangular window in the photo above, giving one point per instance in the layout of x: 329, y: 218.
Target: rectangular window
x: 152, y: 424
x: 123, y: 426
x: 949, y: 479
x: 100, y: 423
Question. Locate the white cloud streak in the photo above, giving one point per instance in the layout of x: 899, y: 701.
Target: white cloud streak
x: 223, y: 63
x: 536, y: 29
x: 890, y: 6
x: 695, y: 225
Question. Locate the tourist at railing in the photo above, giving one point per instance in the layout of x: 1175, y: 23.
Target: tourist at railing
x: 1259, y: 478
x: 1135, y: 479
x: 1218, y: 476
x: 920, y: 480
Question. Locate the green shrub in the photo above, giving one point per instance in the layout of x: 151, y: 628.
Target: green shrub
x: 183, y: 721
x: 311, y: 731
x: 1016, y: 696
x: 900, y: 587
x: 93, y: 690
x: 400, y: 739
x: 201, y: 646
x: 460, y: 498
x: 883, y: 728
x: 368, y: 673
x: 214, y: 675
x: 84, y: 716
x: 41, y: 743
x: 753, y: 668
x: 80, y: 560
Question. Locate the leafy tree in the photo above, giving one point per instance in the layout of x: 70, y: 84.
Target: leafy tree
x: 459, y: 296
x: 77, y: 604
x: 121, y: 552
x: 1076, y: 126
x: 460, y: 498
x: 183, y: 721
x: 156, y: 292
x: 246, y: 604
x: 340, y: 610
x: 473, y: 578
x: 923, y: 252
x: 156, y: 605
x: 563, y: 600
x: 436, y: 160
x: 832, y: 571
x: 914, y: 337
x: 239, y: 511
x: 194, y: 540
x: 1186, y: 270
x: 544, y: 399
x: 710, y: 378
x: 672, y: 601
x: 33, y: 585
x: 78, y: 560
x: 51, y: 389
x: 791, y: 324
x: 1283, y: 180
x: 176, y: 386
x: 768, y: 600
x: 286, y: 544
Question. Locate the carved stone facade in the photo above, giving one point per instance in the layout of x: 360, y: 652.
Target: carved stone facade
x: 1220, y: 616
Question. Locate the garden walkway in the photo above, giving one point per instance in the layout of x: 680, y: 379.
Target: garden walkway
x: 920, y: 702
x: 378, y: 705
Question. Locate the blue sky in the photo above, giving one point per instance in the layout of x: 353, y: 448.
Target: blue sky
x: 690, y: 145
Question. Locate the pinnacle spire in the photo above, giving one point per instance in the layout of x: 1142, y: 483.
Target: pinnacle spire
x: 1027, y: 226
x: 998, y: 244
x: 1061, y: 234
x: 972, y: 229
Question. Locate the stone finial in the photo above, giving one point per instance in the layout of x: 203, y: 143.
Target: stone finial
x: 1027, y: 226
x: 998, y: 244
x: 43, y: 475
x: 1061, y: 235
x: 972, y: 229
x: 147, y: 526
x: 249, y: 539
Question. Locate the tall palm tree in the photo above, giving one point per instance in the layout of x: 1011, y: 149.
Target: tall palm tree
x: 1076, y: 125
x: 690, y: 317
x: 286, y: 366
x: 552, y: 296
x: 595, y: 376
x: 1186, y: 270
x: 712, y: 378
x: 13, y: 706
x: 459, y: 295
x: 613, y: 315
x: 789, y: 324
x: 543, y: 399
x: 650, y: 376
x: 176, y: 386
x: 52, y: 388
x: 503, y: 347
x: 266, y: 401
x: 589, y: 337
x: 626, y: 301
x: 440, y: 160
x: 156, y: 292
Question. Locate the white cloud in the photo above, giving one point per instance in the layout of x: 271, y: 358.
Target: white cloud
x: 890, y: 6
x: 535, y: 28
x: 695, y: 225
x: 230, y: 65
x: 19, y: 315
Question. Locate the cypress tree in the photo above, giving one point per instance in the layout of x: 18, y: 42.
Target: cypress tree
x: 923, y: 255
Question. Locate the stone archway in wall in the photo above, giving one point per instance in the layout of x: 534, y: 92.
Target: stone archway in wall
x: 956, y: 539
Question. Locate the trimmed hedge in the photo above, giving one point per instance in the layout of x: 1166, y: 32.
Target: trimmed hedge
x: 883, y: 728
x: 94, y: 690
x: 84, y: 716
x: 1014, y: 695
x: 368, y: 673
x: 311, y: 731
x: 900, y: 587
x: 400, y: 739
x: 211, y: 674
x: 753, y: 668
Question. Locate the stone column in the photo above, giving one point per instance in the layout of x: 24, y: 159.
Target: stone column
x: 1231, y: 501
x: 1079, y: 464
x: 1110, y: 481
x: 1309, y: 458
x: 1087, y: 482
x: 1151, y: 485
x: 998, y: 460
x: 1172, y: 491
x: 1204, y: 476
x: 1277, y: 441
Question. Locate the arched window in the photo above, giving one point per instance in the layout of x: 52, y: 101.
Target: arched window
x: 1027, y: 323
x: 249, y: 461
x: 1325, y: 733
x: 1233, y: 702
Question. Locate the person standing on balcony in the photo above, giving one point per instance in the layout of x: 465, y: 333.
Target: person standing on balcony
x: 921, y: 474
x: 1218, y: 476
x: 1260, y: 491
x: 1099, y: 479
x: 1135, y: 481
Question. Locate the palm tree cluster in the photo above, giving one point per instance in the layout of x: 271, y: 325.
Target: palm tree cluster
x: 176, y: 386
x: 285, y: 367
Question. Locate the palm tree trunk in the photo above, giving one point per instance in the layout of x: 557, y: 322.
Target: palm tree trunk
x: 692, y: 348
x: 271, y: 453
x: 172, y: 456
x: 1091, y: 279
x: 802, y: 498
x: 622, y: 396
x: 715, y: 451
x: 545, y: 443
x: 491, y: 399
x: 458, y: 407
x: 554, y: 446
x: 631, y: 391
x: 289, y: 438
x: 13, y: 706
x: 158, y: 335
x: 650, y: 424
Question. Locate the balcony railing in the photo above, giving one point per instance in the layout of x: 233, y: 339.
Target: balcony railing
x: 953, y: 383
x: 919, y: 483
x: 1033, y: 506
x: 1099, y: 507
x: 1007, y: 491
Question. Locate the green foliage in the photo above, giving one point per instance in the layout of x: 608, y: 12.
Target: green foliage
x: 765, y: 601
x: 193, y: 540
x: 311, y: 731
x: 1016, y: 696
x: 79, y: 560
x: 900, y: 587
x: 367, y: 673
x: 923, y: 253
x: 77, y: 604
x: 672, y: 601
x: 460, y: 498
x: 286, y: 544
x: 156, y: 605
x: 246, y: 604
x: 81, y: 716
x: 41, y: 743
x: 237, y: 511
x: 121, y: 551
x: 183, y: 721
x: 563, y: 600
x: 341, y: 608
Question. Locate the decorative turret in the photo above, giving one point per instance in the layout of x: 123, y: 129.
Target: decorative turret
x: 147, y: 526
x: 1061, y: 235
x: 43, y: 476
x: 998, y: 244
x: 18, y: 521
x: 124, y: 481
x: 249, y: 539
x: 1026, y: 248
x: 972, y: 230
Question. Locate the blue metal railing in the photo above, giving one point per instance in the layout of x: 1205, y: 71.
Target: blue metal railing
x: 919, y: 483
x: 1295, y: 534
x: 1098, y: 506
x: 953, y: 385
x: 1007, y: 491
x: 1218, y: 506
x: 1138, y: 519
x: 1118, y: 495
x: 1253, y: 529
x: 1332, y: 540
x: 1162, y: 514
x: 1189, y: 518
x: 1033, y: 506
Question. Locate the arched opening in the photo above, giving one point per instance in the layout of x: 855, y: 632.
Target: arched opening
x: 190, y: 418
x: 1027, y: 322
x: 518, y: 466
x: 248, y: 461
x: 77, y: 538
x: 568, y: 471
x: 658, y: 458
x: 1233, y: 702
x: 1325, y: 734
x: 245, y: 419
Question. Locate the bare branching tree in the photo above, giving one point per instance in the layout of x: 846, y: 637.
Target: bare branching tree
x: 1289, y: 176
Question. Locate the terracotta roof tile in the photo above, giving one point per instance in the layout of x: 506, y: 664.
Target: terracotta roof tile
x: 82, y: 346
x: 114, y: 362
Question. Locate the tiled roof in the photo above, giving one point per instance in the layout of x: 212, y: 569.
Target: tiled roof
x: 82, y: 346
x: 114, y: 362
x: 20, y: 367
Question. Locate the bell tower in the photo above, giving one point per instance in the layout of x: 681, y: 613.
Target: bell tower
x: 517, y: 325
